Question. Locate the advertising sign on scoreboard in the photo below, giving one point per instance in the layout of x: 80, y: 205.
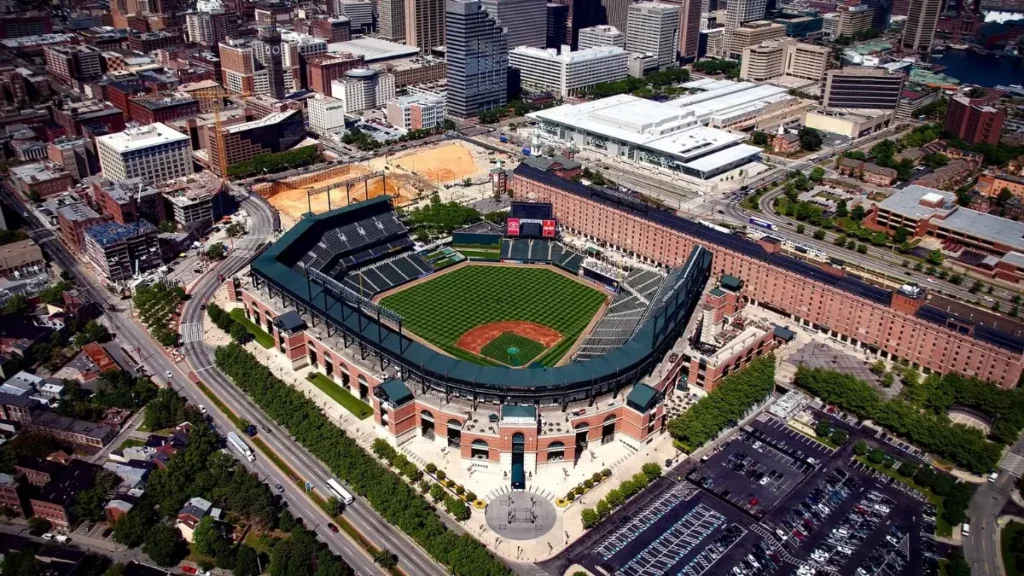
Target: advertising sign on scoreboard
x: 549, y: 229
x: 513, y: 227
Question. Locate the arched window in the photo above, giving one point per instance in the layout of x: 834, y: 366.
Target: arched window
x: 556, y: 451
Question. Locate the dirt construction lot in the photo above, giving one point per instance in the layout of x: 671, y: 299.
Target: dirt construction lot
x: 444, y: 164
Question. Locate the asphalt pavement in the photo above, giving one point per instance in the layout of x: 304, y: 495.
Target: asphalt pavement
x: 981, y: 547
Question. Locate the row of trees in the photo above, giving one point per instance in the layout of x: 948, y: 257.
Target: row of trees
x: 157, y: 304
x: 730, y: 68
x: 116, y: 389
x: 965, y: 447
x: 390, y: 496
x: 724, y: 406
x: 648, y: 473
x: 1003, y: 408
x: 273, y: 162
x: 230, y: 326
x: 440, y: 218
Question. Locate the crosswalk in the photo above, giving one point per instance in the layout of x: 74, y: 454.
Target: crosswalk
x: 191, y: 332
x: 1013, y: 463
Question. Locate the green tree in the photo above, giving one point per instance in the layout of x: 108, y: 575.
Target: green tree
x: 823, y: 428
x: 246, y: 562
x: 841, y: 210
x: 17, y: 304
x: 37, y: 525
x: 935, y: 257
x: 206, y: 537
x: 839, y: 436
x: 216, y: 251
x: 819, y: 234
x: 602, y: 508
x: 652, y: 470
x: 810, y: 139
x: 164, y: 545
x: 858, y: 212
x: 817, y: 174
x: 800, y: 228
x: 89, y: 502
x: 130, y: 529
x: 860, y: 448
x: 385, y: 559
x: 590, y: 518
x: 760, y: 138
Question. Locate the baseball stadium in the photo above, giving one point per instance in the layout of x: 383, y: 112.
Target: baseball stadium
x: 536, y: 355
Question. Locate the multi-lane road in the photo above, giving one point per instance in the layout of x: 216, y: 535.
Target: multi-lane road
x: 198, y: 360
x: 981, y: 546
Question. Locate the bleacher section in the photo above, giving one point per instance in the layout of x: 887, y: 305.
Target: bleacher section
x: 540, y: 250
x: 640, y: 293
x: 382, y: 276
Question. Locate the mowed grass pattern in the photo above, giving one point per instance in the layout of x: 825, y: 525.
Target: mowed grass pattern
x: 498, y: 349
x: 442, y: 309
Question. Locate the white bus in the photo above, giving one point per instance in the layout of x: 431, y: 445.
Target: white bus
x: 340, y: 492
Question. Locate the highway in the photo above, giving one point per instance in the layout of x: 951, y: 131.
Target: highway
x: 134, y: 338
x: 981, y: 547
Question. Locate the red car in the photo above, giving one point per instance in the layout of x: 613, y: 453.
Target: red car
x: 332, y: 527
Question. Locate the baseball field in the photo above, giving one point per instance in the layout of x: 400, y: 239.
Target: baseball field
x: 499, y: 315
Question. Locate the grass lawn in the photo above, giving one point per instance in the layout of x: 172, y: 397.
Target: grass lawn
x: 262, y: 338
x: 1010, y: 532
x: 942, y: 528
x: 354, y: 405
x: 512, y: 349
x: 480, y: 254
x: 444, y: 308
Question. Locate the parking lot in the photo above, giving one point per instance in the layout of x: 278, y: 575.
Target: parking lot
x: 817, y: 511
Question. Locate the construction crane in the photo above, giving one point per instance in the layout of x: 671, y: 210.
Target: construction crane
x: 212, y: 99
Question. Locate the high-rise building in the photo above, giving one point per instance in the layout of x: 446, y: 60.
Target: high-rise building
x: 391, y: 20
x: 363, y: 89
x: 919, y: 29
x: 558, y: 25
x: 119, y: 251
x: 155, y: 152
x: 739, y: 12
x: 274, y: 133
x: 863, y: 87
x: 854, y: 19
x: 323, y: 69
x: 585, y: 14
x: 751, y: 34
x: 785, y: 57
x: 568, y: 73
x: 596, y: 36
x: 882, y: 13
x: 360, y: 14
x: 273, y: 59
x: 332, y: 29
x: 424, y: 24
x: 689, y: 29
x: 653, y: 28
x: 477, y: 59
x: 71, y: 63
x: 615, y: 13
x: 210, y: 28
x: 524, y: 21
x: 300, y: 47
x: 246, y: 66
x: 974, y: 121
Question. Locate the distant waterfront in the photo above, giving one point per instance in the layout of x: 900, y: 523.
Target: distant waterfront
x: 981, y: 69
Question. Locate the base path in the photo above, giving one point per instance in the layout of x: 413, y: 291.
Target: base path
x: 475, y: 339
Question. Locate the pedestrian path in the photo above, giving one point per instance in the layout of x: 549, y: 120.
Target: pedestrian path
x: 191, y: 332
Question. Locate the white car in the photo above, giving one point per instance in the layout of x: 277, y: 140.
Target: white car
x: 169, y: 375
x: 993, y: 476
x: 202, y: 409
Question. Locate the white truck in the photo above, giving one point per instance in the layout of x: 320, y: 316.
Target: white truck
x: 236, y: 442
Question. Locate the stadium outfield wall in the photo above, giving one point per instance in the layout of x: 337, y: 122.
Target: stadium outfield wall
x: 361, y: 323
x: 893, y: 324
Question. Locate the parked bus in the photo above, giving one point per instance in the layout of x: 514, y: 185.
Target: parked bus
x: 342, y: 494
x: 236, y: 442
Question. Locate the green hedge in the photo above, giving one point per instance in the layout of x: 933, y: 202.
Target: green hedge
x: 390, y: 496
x: 1004, y: 408
x: 965, y: 447
x: 272, y: 163
x: 725, y: 405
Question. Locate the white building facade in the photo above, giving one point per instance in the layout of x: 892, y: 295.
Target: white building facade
x: 597, y: 36
x: 567, y: 73
x: 326, y: 114
x: 363, y: 89
x: 155, y: 152
x: 654, y: 29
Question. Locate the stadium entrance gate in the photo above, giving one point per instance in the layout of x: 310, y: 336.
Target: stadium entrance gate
x: 582, y: 430
x: 518, y: 473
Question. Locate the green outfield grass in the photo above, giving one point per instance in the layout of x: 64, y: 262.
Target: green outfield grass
x: 442, y: 309
x: 501, y: 349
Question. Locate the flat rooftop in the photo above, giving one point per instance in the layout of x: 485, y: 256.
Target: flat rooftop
x: 38, y: 172
x: 374, y: 49
x: 267, y: 120
x: 142, y: 137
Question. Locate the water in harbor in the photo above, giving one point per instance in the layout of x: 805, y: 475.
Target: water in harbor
x: 981, y: 69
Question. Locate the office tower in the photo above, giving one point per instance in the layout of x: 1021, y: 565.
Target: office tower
x: 210, y: 28
x: 854, y: 19
x: 323, y: 69
x: 739, y: 12
x: 424, y: 24
x: 974, y: 121
x: 616, y: 13
x: 900, y: 7
x: 558, y: 25
x: 332, y: 29
x: 416, y: 112
x: 274, y: 133
x: 785, y: 57
x: 584, y: 14
x: 391, y: 20
x: 922, y: 20
x: 477, y: 59
x: 596, y: 36
x: 360, y: 13
x: 882, y: 15
x: 863, y: 87
x: 326, y: 114
x: 568, y: 73
x: 524, y: 21
x: 751, y: 34
x: 273, y: 60
x: 363, y: 89
x: 155, y: 152
x: 71, y: 64
x: 653, y: 28
x: 689, y: 29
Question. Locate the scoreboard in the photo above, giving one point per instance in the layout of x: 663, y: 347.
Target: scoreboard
x: 530, y: 228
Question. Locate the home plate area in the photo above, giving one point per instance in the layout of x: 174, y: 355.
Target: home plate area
x: 512, y: 343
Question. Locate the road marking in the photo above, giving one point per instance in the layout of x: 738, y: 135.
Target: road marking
x: 1013, y: 464
x: 191, y: 332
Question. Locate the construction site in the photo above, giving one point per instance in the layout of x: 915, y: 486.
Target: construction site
x: 409, y: 176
